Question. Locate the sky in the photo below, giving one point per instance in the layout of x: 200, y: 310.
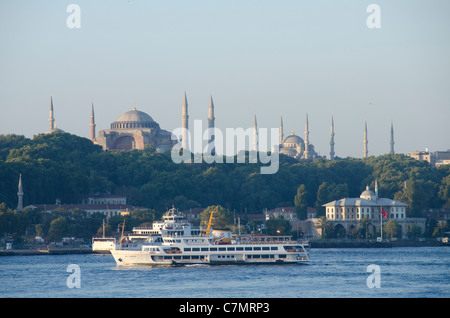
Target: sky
x: 254, y: 57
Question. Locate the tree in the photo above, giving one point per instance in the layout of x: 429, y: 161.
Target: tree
x: 414, y: 231
x: 300, y: 202
x: 326, y: 227
x: 444, y: 190
x: 322, y: 198
x: 222, y: 218
x: 278, y: 226
x: 57, y: 228
x: 390, y: 228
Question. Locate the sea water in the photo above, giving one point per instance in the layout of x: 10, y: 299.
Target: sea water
x: 403, y: 272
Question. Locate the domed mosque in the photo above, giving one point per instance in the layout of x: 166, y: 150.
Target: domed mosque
x: 295, y: 147
x: 132, y: 130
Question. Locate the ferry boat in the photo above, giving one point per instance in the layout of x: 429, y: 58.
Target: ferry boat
x: 182, y: 244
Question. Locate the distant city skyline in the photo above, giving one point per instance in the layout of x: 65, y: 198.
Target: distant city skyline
x: 269, y: 58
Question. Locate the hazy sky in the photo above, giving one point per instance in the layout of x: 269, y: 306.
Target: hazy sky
x: 263, y: 57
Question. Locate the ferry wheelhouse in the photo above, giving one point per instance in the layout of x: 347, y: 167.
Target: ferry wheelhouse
x: 180, y: 244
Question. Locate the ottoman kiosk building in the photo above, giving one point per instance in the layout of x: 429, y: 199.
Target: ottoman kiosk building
x: 348, y: 212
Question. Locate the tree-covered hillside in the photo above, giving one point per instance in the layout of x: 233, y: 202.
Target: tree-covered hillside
x: 66, y: 167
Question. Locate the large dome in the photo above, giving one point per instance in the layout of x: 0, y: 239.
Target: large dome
x: 134, y: 119
x: 293, y: 139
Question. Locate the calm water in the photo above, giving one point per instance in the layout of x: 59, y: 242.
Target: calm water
x: 404, y: 272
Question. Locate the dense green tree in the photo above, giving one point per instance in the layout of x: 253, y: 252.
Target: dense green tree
x: 222, y: 218
x: 390, y: 228
x: 61, y: 166
x: 57, y: 229
x: 278, y: 226
x: 300, y: 202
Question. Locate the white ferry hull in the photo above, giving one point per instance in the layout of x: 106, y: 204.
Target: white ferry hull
x: 139, y: 257
x: 179, y: 243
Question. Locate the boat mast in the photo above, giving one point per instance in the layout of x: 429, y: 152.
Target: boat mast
x: 208, y: 229
x: 121, y: 237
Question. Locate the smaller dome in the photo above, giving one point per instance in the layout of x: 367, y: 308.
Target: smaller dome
x: 368, y: 194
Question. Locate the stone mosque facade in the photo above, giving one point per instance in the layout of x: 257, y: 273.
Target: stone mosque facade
x: 134, y: 129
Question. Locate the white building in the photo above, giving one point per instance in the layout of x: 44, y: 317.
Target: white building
x: 368, y: 205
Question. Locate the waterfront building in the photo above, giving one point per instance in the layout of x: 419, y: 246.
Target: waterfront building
x: 104, y: 198
x: 106, y: 209
x: 347, y: 213
x: 368, y: 205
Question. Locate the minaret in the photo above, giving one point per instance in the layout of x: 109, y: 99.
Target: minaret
x: 365, y: 141
x: 306, y: 153
x: 281, y: 129
x: 211, y: 120
x: 51, y: 119
x: 332, y: 139
x: 184, y: 123
x: 392, y: 139
x: 255, y: 135
x: 92, y: 124
x: 20, y: 195
x: 376, y: 188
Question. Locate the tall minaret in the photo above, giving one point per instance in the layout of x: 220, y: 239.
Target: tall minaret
x: 20, y: 195
x: 392, y: 139
x: 281, y: 129
x: 306, y: 153
x: 211, y: 120
x: 376, y: 188
x: 92, y: 124
x: 332, y: 139
x: 255, y: 135
x: 51, y: 119
x: 184, y: 123
x: 365, y: 141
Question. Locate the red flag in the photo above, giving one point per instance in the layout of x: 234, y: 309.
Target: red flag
x: 384, y: 213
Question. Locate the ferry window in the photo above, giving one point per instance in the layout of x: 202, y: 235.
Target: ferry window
x: 187, y: 249
x: 177, y: 257
x: 195, y: 249
x: 213, y: 249
x: 230, y: 248
x: 266, y: 248
x: 186, y: 257
x: 248, y: 248
x: 195, y: 257
x: 257, y: 248
x: 265, y: 256
x: 274, y: 248
x: 239, y: 248
x: 222, y: 249
x: 282, y: 256
x: 204, y: 249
